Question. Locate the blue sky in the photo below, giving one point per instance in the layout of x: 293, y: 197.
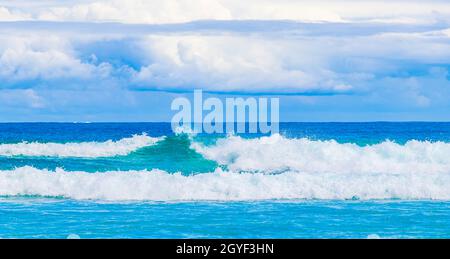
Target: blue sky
x: 126, y: 60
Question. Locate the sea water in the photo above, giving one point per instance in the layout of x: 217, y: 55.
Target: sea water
x: 140, y: 180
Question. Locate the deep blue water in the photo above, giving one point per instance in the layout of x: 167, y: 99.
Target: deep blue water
x: 366, y: 132
x: 96, y: 180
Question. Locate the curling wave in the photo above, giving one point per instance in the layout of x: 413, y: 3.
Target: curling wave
x: 279, y: 154
x: 157, y: 185
x: 83, y: 149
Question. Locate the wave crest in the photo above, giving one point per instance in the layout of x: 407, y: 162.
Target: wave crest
x: 278, y: 154
x: 83, y: 149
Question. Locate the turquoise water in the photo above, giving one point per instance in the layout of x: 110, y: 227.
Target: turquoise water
x: 139, y: 180
x: 48, y: 218
x: 172, y: 155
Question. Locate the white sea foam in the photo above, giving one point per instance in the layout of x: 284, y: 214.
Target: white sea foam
x: 73, y: 236
x: 83, y: 149
x: 373, y: 236
x: 157, y: 185
x: 277, y: 154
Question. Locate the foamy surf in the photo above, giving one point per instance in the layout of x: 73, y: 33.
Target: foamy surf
x: 276, y: 154
x: 83, y: 149
x: 157, y: 185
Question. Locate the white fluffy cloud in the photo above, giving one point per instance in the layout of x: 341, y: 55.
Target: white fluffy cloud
x: 179, y: 11
x: 39, y: 58
x: 7, y: 15
x: 372, y: 55
x: 302, y: 61
x: 234, y: 63
x: 290, y: 58
x: 287, y: 63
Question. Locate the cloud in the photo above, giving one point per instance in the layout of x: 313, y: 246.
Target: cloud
x: 377, y: 56
x: 27, y: 61
x: 229, y: 63
x: 7, y: 15
x: 304, y: 59
x: 35, y: 101
x: 180, y: 11
x: 22, y: 98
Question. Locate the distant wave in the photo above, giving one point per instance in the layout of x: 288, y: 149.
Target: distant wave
x: 83, y: 149
x: 157, y: 185
x: 276, y: 154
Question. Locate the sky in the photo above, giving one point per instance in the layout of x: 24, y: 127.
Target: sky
x: 126, y: 60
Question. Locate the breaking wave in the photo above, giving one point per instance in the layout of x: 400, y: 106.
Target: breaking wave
x: 265, y: 168
x: 82, y: 149
x: 279, y: 154
x: 157, y: 185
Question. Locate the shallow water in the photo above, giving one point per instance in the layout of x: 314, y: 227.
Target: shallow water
x: 49, y: 218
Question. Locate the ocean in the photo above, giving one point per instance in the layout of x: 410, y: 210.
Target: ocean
x: 141, y: 180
